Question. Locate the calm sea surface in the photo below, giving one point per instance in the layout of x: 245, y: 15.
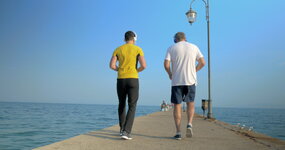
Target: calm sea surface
x: 30, y: 125
x: 267, y: 121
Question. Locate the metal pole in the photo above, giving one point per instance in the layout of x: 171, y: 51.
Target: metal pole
x: 210, y: 114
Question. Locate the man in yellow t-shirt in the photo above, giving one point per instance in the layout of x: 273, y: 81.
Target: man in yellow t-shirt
x: 128, y: 56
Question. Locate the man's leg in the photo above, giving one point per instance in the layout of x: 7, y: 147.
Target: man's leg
x: 133, y: 94
x: 121, y: 92
x: 190, y: 111
x: 177, y: 117
x: 190, y: 96
x: 176, y: 99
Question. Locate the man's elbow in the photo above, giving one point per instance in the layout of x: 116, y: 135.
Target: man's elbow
x: 166, y: 64
x: 203, y: 63
x: 166, y: 67
x: 113, y: 67
x: 143, y: 66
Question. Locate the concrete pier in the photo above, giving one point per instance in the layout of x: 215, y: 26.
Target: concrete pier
x: 155, y: 132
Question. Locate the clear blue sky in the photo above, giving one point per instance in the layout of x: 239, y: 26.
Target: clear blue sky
x: 58, y: 51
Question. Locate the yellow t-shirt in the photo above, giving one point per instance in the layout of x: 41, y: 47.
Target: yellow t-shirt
x: 127, y: 55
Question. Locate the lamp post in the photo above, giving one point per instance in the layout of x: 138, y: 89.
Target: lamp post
x: 191, y: 15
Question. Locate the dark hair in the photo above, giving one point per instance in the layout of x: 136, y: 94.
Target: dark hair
x: 129, y: 35
x: 179, y: 36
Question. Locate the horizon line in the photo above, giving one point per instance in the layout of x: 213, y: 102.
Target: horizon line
x: 72, y: 103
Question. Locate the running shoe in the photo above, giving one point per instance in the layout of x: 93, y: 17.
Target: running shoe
x: 189, y: 131
x: 126, y: 136
x: 121, y: 132
x: 178, y: 137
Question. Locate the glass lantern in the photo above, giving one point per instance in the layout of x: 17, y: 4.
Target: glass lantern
x: 191, y: 16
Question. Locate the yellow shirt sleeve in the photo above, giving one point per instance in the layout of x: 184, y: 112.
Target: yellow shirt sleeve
x: 140, y: 52
x: 115, y: 52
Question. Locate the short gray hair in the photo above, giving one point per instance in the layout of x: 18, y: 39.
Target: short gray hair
x: 179, y: 36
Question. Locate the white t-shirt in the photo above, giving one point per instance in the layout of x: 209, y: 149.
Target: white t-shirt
x: 183, y: 57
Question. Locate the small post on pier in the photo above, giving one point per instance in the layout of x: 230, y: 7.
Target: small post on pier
x: 204, y: 106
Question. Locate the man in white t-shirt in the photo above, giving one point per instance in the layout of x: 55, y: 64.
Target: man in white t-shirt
x: 183, y: 57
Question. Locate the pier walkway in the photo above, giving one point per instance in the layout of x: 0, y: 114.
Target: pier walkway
x: 155, y: 132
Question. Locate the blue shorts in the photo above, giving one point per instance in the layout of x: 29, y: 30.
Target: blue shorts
x: 185, y: 93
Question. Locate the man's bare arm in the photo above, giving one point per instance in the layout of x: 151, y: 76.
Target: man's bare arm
x: 142, y: 63
x: 167, y: 68
x: 201, y: 64
x: 113, y: 64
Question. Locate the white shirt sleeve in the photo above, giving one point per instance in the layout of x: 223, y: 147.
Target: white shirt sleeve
x: 199, y: 54
x: 167, y: 56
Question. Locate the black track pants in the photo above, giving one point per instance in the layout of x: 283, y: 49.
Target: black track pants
x: 127, y: 88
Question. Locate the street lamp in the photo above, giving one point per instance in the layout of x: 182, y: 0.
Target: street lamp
x: 191, y: 15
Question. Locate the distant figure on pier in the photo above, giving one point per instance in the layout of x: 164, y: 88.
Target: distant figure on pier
x: 128, y: 56
x: 163, y: 106
x: 183, y: 107
x: 183, y: 56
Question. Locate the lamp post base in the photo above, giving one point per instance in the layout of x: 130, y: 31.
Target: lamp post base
x: 209, y: 116
x: 210, y: 112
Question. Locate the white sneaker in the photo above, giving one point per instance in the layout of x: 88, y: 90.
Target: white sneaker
x: 126, y: 136
x: 189, y: 131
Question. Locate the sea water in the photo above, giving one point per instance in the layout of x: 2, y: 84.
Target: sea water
x: 30, y: 125
x: 263, y: 120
